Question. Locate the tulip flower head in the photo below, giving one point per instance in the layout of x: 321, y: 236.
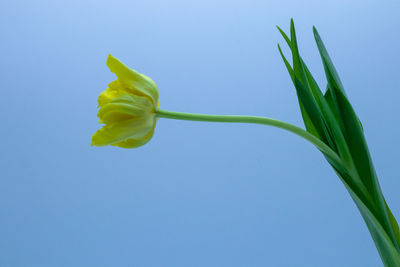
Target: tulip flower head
x: 127, y: 108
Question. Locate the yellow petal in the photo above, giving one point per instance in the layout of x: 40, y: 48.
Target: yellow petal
x: 121, y: 131
x: 134, y: 143
x: 114, y: 89
x: 133, y: 79
x: 125, y: 107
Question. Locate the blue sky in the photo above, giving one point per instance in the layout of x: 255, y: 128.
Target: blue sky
x: 199, y: 194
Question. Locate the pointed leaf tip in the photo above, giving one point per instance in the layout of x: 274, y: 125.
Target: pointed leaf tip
x: 316, y: 34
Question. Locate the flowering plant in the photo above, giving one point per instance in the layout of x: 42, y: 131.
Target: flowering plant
x: 129, y: 110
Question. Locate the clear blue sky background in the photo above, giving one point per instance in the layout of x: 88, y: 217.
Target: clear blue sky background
x: 199, y: 194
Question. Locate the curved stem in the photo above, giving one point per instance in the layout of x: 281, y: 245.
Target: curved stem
x: 255, y: 120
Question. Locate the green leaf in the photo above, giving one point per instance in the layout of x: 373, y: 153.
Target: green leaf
x: 339, y: 127
x: 332, y: 104
x: 330, y: 71
x: 388, y: 252
x: 359, y: 150
x: 355, y: 139
x: 394, y: 224
x: 348, y: 120
x: 287, y: 64
x: 297, y: 65
x: 285, y: 36
x: 308, y: 101
x: 307, y: 121
x: 316, y: 92
x: 311, y: 113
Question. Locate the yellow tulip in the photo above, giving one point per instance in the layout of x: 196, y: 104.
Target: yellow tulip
x: 127, y: 108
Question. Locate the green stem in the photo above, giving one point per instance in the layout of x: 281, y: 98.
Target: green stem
x: 256, y: 120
